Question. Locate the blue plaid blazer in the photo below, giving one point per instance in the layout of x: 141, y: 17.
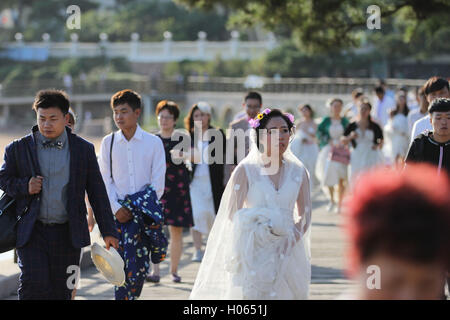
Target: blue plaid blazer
x: 85, y: 176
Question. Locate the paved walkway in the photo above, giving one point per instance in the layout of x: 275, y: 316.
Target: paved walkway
x: 328, y: 261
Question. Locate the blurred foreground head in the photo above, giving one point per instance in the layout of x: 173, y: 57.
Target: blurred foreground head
x: 399, y: 229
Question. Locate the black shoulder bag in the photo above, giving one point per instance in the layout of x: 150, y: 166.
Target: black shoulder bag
x: 8, y: 217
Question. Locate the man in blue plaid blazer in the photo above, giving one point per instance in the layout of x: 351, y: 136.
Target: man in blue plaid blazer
x: 54, y: 229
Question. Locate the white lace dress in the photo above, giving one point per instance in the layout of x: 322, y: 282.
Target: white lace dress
x: 397, y: 137
x: 259, y: 245
x: 363, y: 157
x: 306, y: 152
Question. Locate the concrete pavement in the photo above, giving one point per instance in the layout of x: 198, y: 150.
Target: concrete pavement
x: 328, y: 261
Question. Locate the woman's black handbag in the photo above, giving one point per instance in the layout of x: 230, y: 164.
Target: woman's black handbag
x: 8, y: 216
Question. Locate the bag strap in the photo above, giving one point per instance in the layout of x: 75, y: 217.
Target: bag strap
x: 110, y: 155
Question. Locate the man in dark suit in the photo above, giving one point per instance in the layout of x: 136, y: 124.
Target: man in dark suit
x: 54, y: 229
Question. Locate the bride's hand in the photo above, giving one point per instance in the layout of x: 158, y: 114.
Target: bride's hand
x: 289, y: 243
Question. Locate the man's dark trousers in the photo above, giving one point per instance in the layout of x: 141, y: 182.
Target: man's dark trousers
x: 44, y: 263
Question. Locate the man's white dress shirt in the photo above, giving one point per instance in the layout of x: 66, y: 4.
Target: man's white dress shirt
x: 135, y: 164
x: 413, y: 116
x: 382, y: 108
x: 420, y: 126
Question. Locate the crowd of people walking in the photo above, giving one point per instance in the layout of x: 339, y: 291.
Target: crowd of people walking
x: 254, y: 212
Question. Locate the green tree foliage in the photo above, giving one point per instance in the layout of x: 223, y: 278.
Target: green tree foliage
x: 286, y: 60
x: 215, y: 68
x: 56, y: 68
x: 149, y: 18
x: 321, y: 26
x: 35, y: 18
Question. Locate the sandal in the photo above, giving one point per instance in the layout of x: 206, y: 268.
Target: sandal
x: 176, y: 278
x: 154, y: 279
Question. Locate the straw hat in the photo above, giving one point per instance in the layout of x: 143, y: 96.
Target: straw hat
x: 109, y: 263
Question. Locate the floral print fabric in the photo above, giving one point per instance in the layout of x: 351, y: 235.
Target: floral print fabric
x: 176, y: 200
x: 139, y: 238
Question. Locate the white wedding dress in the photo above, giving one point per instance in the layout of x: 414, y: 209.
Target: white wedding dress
x: 306, y: 152
x: 397, y: 137
x: 363, y: 157
x: 259, y: 245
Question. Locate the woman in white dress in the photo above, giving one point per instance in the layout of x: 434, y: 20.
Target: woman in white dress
x: 258, y: 247
x: 366, y: 138
x: 206, y: 187
x: 304, y: 146
x: 397, y: 132
x: 329, y: 172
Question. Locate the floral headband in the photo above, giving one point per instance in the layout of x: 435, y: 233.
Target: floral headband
x: 254, y: 123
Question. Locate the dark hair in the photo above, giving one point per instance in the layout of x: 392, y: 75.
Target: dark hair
x: 51, y: 98
x: 405, y: 89
x: 372, y: 125
x: 405, y: 214
x: 307, y: 106
x: 366, y: 102
x: 381, y: 82
x: 253, y: 95
x: 266, y: 117
x: 333, y: 100
x: 397, y: 105
x: 170, y: 106
x: 435, y: 84
x: 379, y: 89
x: 358, y: 92
x: 132, y: 98
x: 439, y: 105
x: 189, y: 119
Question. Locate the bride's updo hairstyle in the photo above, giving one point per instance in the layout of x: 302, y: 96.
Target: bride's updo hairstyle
x: 261, y: 120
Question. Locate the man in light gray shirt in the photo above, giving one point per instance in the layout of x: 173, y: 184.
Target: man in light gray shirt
x: 49, y: 172
x: 54, y: 162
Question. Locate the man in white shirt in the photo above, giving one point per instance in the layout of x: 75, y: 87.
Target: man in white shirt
x: 419, y: 112
x: 382, y: 106
x: 390, y: 93
x: 138, y: 159
x: 434, y: 88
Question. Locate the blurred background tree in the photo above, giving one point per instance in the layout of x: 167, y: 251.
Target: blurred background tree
x: 316, y: 38
x: 149, y: 18
x: 323, y: 26
x: 34, y: 18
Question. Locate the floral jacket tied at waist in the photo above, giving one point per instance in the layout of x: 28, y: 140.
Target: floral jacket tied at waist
x: 139, y: 237
x: 148, y: 220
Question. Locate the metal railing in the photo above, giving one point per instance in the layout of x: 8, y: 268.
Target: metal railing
x: 216, y: 84
x: 137, y: 51
x: 299, y: 85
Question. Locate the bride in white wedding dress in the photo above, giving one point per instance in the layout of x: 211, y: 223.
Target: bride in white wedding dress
x: 259, y: 245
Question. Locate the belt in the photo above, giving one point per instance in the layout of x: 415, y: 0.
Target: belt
x: 45, y: 224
